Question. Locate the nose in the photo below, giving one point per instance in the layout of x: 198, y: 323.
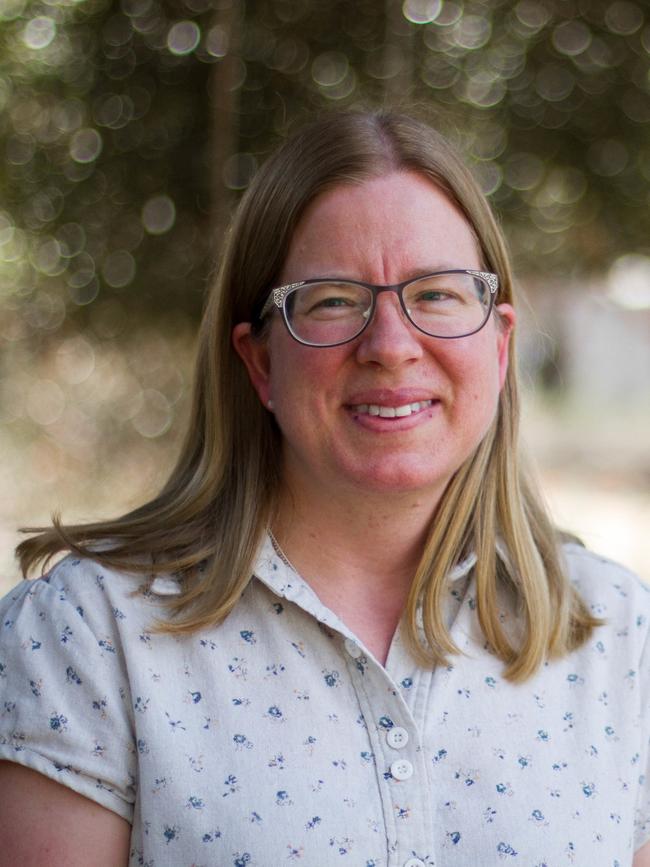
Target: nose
x: 390, y: 339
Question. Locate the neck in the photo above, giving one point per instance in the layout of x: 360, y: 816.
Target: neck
x: 350, y: 547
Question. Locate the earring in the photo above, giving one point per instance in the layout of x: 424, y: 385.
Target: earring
x: 269, y: 405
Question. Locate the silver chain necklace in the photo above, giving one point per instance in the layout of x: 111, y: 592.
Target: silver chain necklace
x: 280, y: 552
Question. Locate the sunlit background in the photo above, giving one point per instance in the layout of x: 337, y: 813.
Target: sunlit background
x: 128, y: 129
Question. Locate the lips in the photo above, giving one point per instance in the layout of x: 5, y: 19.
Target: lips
x: 387, y: 411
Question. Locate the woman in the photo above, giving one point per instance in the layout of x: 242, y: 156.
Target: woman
x: 345, y: 631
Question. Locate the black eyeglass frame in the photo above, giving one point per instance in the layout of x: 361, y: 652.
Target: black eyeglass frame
x: 279, y: 295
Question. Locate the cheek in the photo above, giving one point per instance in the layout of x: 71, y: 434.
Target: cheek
x: 298, y: 371
x: 475, y: 373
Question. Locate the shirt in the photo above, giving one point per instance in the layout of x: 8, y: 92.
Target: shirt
x: 277, y: 738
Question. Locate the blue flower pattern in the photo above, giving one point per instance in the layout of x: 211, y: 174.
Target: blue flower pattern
x: 277, y: 738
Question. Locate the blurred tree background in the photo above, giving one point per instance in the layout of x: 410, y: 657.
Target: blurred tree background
x: 128, y: 129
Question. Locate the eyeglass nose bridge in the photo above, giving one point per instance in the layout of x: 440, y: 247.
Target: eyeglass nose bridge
x: 397, y: 289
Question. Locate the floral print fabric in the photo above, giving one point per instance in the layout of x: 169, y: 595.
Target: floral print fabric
x: 276, y: 738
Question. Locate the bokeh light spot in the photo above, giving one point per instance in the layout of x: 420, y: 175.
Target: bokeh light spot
x: 68, y: 116
x: 158, y: 215
x: 115, y: 111
x: 117, y: 30
x: 385, y: 62
x: 623, y: 18
x: 490, y: 176
x: 330, y: 68
x: 75, y: 360
x: 608, y: 157
x: 45, y: 312
x: 532, y: 14
x: 154, y: 417
x: 438, y: 75
x: 118, y: 269
x: 13, y: 245
x: 472, y: 32
x: 238, y: 171
x: 136, y: 8
x: 20, y: 149
x: 289, y: 55
x: 554, y: 82
x: 85, y: 145
x: 46, y: 257
x: 81, y: 270
x: 344, y: 88
x: 484, y: 89
x: 108, y: 318
x: 216, y: 42
x: 45, y: 402
x: 450, y: 13
x: 421, y: 11
x: 86, y: 294
x: 10, y: 9
x: 39, y: 32
x: 629, y: 282
x: 571, y: 38
x: 636, y: 105
x: 183, y: 37
x: 71, y: 238
x: 6, y: 227
x: 523, y: 171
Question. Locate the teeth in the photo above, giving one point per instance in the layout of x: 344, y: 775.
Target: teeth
x: 391, y: 411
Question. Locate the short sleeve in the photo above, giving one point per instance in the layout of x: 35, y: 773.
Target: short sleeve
x: 64, y: 696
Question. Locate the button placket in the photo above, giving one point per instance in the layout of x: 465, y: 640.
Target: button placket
x: 398, y: 757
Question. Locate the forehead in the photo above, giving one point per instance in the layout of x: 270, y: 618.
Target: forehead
x: 381, y: 230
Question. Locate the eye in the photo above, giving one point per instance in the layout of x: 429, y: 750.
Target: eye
x: 334, y: 302
x: 432, y: 295
x: 441, y: 291
x: 430, y: 298
x: 320, y: 300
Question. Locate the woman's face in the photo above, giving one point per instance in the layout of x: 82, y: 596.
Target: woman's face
x: 382, y: 231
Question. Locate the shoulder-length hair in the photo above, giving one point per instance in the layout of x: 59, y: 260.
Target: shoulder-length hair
x: 208, y: 521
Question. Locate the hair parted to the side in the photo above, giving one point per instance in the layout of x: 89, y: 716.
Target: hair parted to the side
x: 211, y: 515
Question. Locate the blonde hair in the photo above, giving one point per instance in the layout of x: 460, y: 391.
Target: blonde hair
x: 211, y: 514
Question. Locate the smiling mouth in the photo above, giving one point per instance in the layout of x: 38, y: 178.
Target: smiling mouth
x: 391, y: 411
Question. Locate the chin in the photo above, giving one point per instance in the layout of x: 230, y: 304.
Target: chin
x: 384, y: 478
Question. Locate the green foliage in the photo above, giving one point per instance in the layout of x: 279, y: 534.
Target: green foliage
x: 129, y: 127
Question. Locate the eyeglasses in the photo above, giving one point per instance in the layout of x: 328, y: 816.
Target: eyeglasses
x: 326, y: 312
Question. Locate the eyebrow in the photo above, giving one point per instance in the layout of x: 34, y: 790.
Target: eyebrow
x: 434, y: 269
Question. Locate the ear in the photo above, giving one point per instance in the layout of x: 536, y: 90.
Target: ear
x: 506, y: 318
x: 254, y: 353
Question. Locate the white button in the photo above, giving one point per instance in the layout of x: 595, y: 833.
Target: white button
x: 352, y: 648
x: 414, y: 862
x: 401, y: 770
x: 397, y: 737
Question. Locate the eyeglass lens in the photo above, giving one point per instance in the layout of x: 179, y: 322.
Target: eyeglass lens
x: 442, y: 305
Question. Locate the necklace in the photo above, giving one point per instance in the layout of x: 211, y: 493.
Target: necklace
x: 280, y: 552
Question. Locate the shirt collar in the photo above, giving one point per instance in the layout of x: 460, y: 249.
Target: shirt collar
x: 277, y: 573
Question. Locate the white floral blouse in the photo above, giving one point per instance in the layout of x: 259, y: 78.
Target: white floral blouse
x: 276, y: 738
